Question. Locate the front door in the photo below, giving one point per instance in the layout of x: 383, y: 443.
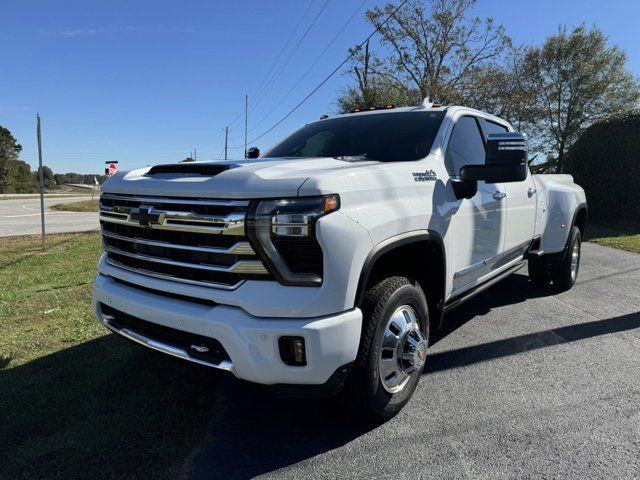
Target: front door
x: 477, y: 225
x: 521, y: 212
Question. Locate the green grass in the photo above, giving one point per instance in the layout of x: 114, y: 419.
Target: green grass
x: 75, y: 401
x: 623, y: 237
x: 81, y: 206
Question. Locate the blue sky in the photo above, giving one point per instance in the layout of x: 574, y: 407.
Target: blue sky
x: 144, y: 81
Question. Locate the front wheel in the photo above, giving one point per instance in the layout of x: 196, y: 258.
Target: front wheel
x: 392, y: 351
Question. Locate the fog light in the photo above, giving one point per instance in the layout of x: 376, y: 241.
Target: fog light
x: 292, y: 351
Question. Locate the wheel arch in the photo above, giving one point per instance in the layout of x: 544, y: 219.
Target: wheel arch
x: 580, y: 218
x: 419, y: 255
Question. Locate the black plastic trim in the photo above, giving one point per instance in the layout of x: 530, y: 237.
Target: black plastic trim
x: 559, y: 256
x: 391, y: 244
x: 329, y: 388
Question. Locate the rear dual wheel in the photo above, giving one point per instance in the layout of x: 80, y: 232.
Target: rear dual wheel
x: 562, y: 273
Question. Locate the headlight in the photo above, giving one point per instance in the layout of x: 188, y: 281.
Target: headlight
x: 282, y: 232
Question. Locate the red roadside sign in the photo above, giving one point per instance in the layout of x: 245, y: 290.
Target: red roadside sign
x: 112, y: 169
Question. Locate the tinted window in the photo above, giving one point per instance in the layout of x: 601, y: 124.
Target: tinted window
x: 493, y: 127
x: 465, y: 146
x: 389, y: 136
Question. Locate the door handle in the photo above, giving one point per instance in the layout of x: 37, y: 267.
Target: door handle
x: 499, y: 196
x: 531, y: 191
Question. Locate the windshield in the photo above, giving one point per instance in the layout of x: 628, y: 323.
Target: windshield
x: 397, y: 136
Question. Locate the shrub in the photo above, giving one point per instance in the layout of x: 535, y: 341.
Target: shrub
x: 605, y: 161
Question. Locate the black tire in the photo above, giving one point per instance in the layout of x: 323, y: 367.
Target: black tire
x: 539, y: 271
x: 364, y: 391
x: 562, y: 272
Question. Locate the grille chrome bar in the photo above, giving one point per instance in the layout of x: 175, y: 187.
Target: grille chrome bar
x: 180, y: 201
x: 149, y: 217
x: 194, y: 241
x: 240, y: 248
x: 162, y: 276
x: 242, y: 266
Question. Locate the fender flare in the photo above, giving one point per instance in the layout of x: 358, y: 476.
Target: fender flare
x: 392, y: 243
x: 559, y: 256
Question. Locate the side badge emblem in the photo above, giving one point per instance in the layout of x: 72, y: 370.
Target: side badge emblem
x: 428, y: 176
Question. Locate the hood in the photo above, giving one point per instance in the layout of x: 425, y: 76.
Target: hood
x: 265, y: 177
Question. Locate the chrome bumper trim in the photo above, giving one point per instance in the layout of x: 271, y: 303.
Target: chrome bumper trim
x: 162, y: 347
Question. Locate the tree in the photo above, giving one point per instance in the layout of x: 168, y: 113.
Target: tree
x: 47, y: 175
x: 187, y: 160
x: 370, y: 89
x: 580, y: 79
x: 434, y: 50
x: 9, y: 151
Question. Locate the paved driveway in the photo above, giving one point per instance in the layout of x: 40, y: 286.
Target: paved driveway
x: 521, y: 384
x: 22, y: 217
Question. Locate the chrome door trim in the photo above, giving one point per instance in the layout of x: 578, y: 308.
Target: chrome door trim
x: 480, y: 269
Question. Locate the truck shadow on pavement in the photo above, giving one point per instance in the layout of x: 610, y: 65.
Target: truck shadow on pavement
x: 102, y: 409
x: 110, y: 409
x: 513, y: 290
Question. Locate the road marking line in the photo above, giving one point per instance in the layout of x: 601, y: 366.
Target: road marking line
x: 46, y: 214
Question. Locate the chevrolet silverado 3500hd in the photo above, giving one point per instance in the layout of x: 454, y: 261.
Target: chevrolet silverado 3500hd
x: 329, y: 261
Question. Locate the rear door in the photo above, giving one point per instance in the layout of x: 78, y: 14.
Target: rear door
x: 520, y: 206
x: 477, y: 224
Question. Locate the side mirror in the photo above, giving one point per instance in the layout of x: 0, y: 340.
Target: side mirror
x: 253, y: 152
x: 505, y: 160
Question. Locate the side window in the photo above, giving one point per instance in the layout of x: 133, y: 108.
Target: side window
x: 493, y: 127
x: 465, y: 146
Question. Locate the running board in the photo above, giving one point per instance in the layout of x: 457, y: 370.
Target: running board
x: 457, y: 301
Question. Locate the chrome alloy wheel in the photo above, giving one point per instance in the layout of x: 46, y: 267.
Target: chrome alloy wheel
x: 575, y: 259
x: 403, y: 349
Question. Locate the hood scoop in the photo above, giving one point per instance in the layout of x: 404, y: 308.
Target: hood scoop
x: 191, y: 169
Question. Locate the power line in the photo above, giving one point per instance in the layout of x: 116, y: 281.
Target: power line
x: 326, y: 79
x: 289, y: 57
x: 275, y: 62
x: 311, y: 66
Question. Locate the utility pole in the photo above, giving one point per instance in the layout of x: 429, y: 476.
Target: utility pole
x: 195, y: 155
x: 246, y: 113
x: 41, y: 175
x: 226, y: 140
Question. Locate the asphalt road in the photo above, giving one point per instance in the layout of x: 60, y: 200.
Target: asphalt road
x: 22, y: 217
x: 523, y: 383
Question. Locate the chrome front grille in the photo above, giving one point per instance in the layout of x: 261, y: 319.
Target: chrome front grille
x: 192, y: 241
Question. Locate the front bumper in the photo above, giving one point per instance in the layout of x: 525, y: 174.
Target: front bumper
x: 251, y: 342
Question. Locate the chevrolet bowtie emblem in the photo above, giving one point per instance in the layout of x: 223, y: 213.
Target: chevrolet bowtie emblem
x: 145, y: 215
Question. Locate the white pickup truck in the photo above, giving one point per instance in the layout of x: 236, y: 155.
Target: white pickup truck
x: 328, y: 262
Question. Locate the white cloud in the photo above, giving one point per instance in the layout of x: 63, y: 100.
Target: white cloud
x: 79, y: 31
